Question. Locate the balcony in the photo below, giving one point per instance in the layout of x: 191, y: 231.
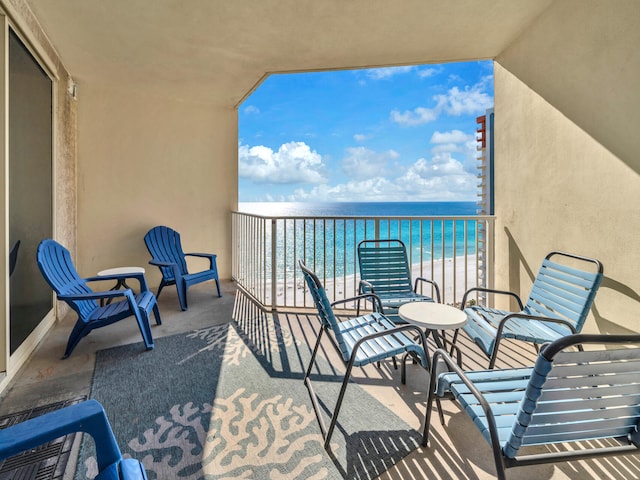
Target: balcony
x: 454, y: 251
x: 266, y: 319
x: 281, y: 342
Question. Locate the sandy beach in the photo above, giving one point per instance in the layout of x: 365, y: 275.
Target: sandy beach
x: 453, y: 276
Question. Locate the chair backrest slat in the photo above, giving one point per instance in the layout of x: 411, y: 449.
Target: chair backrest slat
x: 626, y: 396
x: 563, y: 292
x: 164, y: 244
x: 579, y: 396
x: 323, y: 305
x: 54, y: 261
x: 385, y: 265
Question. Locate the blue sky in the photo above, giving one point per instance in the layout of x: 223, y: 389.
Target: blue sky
x: 386, y: 134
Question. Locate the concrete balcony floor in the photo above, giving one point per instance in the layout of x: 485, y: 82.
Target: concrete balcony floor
x: 456, y: 450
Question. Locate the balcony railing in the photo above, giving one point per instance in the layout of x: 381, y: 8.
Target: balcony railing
x: 454, y: 251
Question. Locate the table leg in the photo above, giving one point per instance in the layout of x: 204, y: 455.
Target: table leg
x: 440, y: 339
x: 119, y: 284
x: 436, y: 337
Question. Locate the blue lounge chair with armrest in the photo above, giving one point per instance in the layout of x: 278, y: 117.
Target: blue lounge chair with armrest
x: 88, y: 417
x: 165, y: 248
x: 384, y: 271
x: 56, y: 266
x: 570, y: 397
x: 359, y: 341
x: 558, y: 305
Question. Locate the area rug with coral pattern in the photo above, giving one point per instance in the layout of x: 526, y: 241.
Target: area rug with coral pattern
x: 228, y: 402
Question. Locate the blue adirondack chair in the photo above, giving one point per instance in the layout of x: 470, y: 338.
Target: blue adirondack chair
x: 57, y: 268
x: 558, y: 305
x: 570, y: 395
x: 165, y: 248
x: 385, y: 271
x: 88, y: 417
x: 359, y: 341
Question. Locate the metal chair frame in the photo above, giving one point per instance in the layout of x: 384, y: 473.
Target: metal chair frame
x: 569, y: 396
x: 372, y: 332
x: 560, y: 296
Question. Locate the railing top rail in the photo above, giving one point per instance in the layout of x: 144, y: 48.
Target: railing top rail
x: 372, y: 217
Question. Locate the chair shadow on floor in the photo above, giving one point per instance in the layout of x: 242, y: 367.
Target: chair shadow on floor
x: 454, y: 451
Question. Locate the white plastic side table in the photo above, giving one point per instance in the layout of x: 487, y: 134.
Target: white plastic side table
x: 433, y: 317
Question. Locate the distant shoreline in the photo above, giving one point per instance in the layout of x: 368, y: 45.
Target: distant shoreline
x: 443, y: 275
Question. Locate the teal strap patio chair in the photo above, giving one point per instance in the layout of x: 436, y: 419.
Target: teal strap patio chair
x: 165, y: 248
x: 359, y: 341
x: 385, y: 271
x: 582, y: 404
x: 88, y: 417
x: 58, y: 270
x: 558, y: 305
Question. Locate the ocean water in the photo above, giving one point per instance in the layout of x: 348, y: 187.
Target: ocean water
x: 359, y: 209
x: 326, y: 234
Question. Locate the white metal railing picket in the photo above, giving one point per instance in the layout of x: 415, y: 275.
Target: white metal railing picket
x: 454, y: 251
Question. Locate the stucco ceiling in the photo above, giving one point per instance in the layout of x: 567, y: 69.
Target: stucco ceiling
x: 217, y: 51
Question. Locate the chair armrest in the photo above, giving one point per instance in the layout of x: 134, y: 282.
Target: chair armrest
x: 398, y: 329
x: 172, y: 265
x: 205, y: 255
x: 537, y: 318
x: 453, y: 367
x: 86, y: 417
x: 210, y: 256
x: 435, y: 285
x: 363, y: 284
x: 490, y: 290
x: 372, y: 296
x: 122, y: 276
x: 98, y: 295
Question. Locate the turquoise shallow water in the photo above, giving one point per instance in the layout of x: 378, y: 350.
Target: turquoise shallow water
x: 329, y: 232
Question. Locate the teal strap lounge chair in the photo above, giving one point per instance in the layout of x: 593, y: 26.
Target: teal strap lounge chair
x: 359, y: 341
x: 165, y: 248
x: 385, y: 271
x: 582, y: 404
x: 58, y: 270
x: 88, y: 417
x: 558, y: 305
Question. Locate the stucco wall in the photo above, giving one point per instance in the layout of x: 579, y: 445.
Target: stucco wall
x: 567, y: 165
x: 146, y: 161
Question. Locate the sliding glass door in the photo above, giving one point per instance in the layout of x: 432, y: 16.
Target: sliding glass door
x: 30, y: 188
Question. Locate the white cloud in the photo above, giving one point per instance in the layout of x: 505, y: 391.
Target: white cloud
x: 417, y: 116
x: 294, y: 162
x: 468, y: 101
x: 361, y: 163
x: 365, y: 190
x: 251, y: 109
x: 453, y: 136
x: 447, y: 147
x: 386, y: 72
x: 361, y: 137
x: 441, y: 178
x: 456, y: 141
x: 429, y: 72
